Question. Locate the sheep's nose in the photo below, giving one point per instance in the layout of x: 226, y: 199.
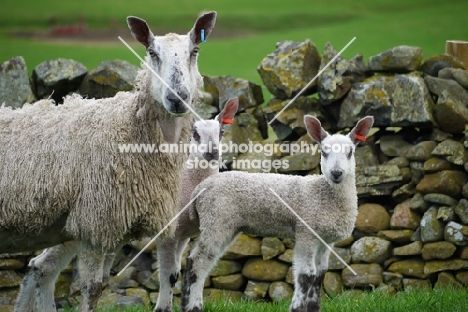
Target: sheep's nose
x: 337, y: 174
x: 211, y: 155
x: 175, y: 101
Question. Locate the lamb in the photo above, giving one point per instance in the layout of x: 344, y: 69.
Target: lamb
x: 236, y: 201
x: 205, y: 134
x: 64, y: 179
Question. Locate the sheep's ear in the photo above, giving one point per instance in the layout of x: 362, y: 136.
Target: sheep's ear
x: 229, y: 111
x: 206, y: 22
x: 140, y: 30
x: 360, y: 131
x: 314, y: 128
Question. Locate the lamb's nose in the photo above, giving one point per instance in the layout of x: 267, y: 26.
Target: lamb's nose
x: 175, y: 100
x: 337, y: 174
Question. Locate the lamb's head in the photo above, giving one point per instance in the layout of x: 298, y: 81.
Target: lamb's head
x: 338, y: 163
x: 174, y: 59
x: 206, y: 134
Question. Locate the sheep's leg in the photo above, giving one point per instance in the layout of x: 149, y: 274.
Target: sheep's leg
x: 40, y: 280
x: 169, y: 257
x: 90, y: 266
x: 199, y: 263
x: 310, y: 264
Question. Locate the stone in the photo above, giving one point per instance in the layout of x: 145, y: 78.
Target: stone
x: 333, y: 284
x: 404, y: 218
x: 280, y: 291
x: 445, y: 265
x: 417, y: 171
x: 446, y: 213
x: 299, y: 162
x: 448, y: 182
x: 465, y: 190
x: 7, y: 308
x: 438, y: 86
x: 11, y: 264
x: 394, y: 145
x: 399, y: 161
x: 336, y: 80
x: 226, y: 267
x: 336, y: 264
x: 15, y: 88
x: 290, y: 276
x: 452, y: 151
x: 256, y: 290
x: 393, y: 279
x: 152, y: 282
x: 377, y: 180
x: 142, y: 244
x: 440, y: 199
x: 57, y: 78
x: 438, y: 250
x: 224, y: 88
x: 404, y: 192
x: 435, y: 164
x: 432, y: 65
x: 456, y: 233
x: 229, y: 282
x: 109, y: 78
x: 243, y: 246
x: 9, y: 278
x: 398, y: 59
x: 367, y: 275
x: 289, y: 125
x: 460, y: 76
x: 345, y: 242
x: 461, y: 209
x: 263, y: 125
x: 366, y: 156
x: 462, y: 277
x: 396, y: 236
x: 206, y: 111
x: 412, y: 249
x: 432, y: 229
x: 398, y: 101
x: 271, y: 247
x: 137, y: 293
x: 370, y: 250
x: 287, y: 256
x: 265, y: 160
x: 411, y: 284
x: 421, y: 151
x: 215, y: 295
x: 269, y: 270
x: 418, y: 202
x: 410, y: 267
x: 446, y: 280
x: 464, y: 253
x: 416, y: 235
x: 8, y: 296
x: 290, y: 68
x: 450, y: 113
x: 62, y: 285
x: 372, y: 218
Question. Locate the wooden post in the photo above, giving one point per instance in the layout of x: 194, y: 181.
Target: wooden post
x: 458, y: 49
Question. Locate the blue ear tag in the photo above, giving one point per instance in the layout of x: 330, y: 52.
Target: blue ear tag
x: 203, y: 35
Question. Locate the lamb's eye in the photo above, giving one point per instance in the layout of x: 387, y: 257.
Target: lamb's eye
x: 195, y: 135
x: 324, y: 154
x: 350, y: 153
x: 153, y: 54
x: 195, y: 51
x: 221, y: 133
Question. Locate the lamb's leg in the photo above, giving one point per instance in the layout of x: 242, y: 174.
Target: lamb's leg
x: 90, y: 266
x: 37, y: 288
x: 169, y: 258
x: 201, y: 260
x: 309, y: 271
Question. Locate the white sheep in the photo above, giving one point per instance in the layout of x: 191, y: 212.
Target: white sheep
x: 237, y: 201
x: 63, y: 178
x: 202, y: 163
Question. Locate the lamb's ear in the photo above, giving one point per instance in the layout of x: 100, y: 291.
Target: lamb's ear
x: 140, y: 30
x: 206, y: 22
x: 359, y: 132
x: 229, y: 111
x: 314, y: 128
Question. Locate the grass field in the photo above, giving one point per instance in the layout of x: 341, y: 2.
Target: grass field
x: 248, y: 30
x: 444, y: 300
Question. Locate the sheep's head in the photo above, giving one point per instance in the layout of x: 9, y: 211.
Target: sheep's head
x: 174, y: 59
x: 206, y: 134
x: 337, y: 150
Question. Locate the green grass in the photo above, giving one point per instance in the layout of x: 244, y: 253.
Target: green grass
x: 377, y: 24
x: 443, y: 300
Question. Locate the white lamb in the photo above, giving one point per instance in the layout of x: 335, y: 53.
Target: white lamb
x: 206, y: 136
x: 64, y: 179
x: 236, y: 201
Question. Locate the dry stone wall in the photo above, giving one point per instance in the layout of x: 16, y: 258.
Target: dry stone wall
x: 412, y: 226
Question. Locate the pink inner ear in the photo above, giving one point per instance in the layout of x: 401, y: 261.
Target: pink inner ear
x: 360, y: 137
x: 227, y: 121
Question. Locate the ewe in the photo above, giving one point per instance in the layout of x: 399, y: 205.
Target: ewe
x: 64, y: 179
x: 204, y: 134
x: 236, y: 201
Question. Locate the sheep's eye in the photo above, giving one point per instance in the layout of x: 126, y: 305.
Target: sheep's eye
x: 195, y: 51
x: 324, y: 154
x: 195, y: 135
x: 350, y: 153
x: 221, y: 133
x: 152, y: 54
